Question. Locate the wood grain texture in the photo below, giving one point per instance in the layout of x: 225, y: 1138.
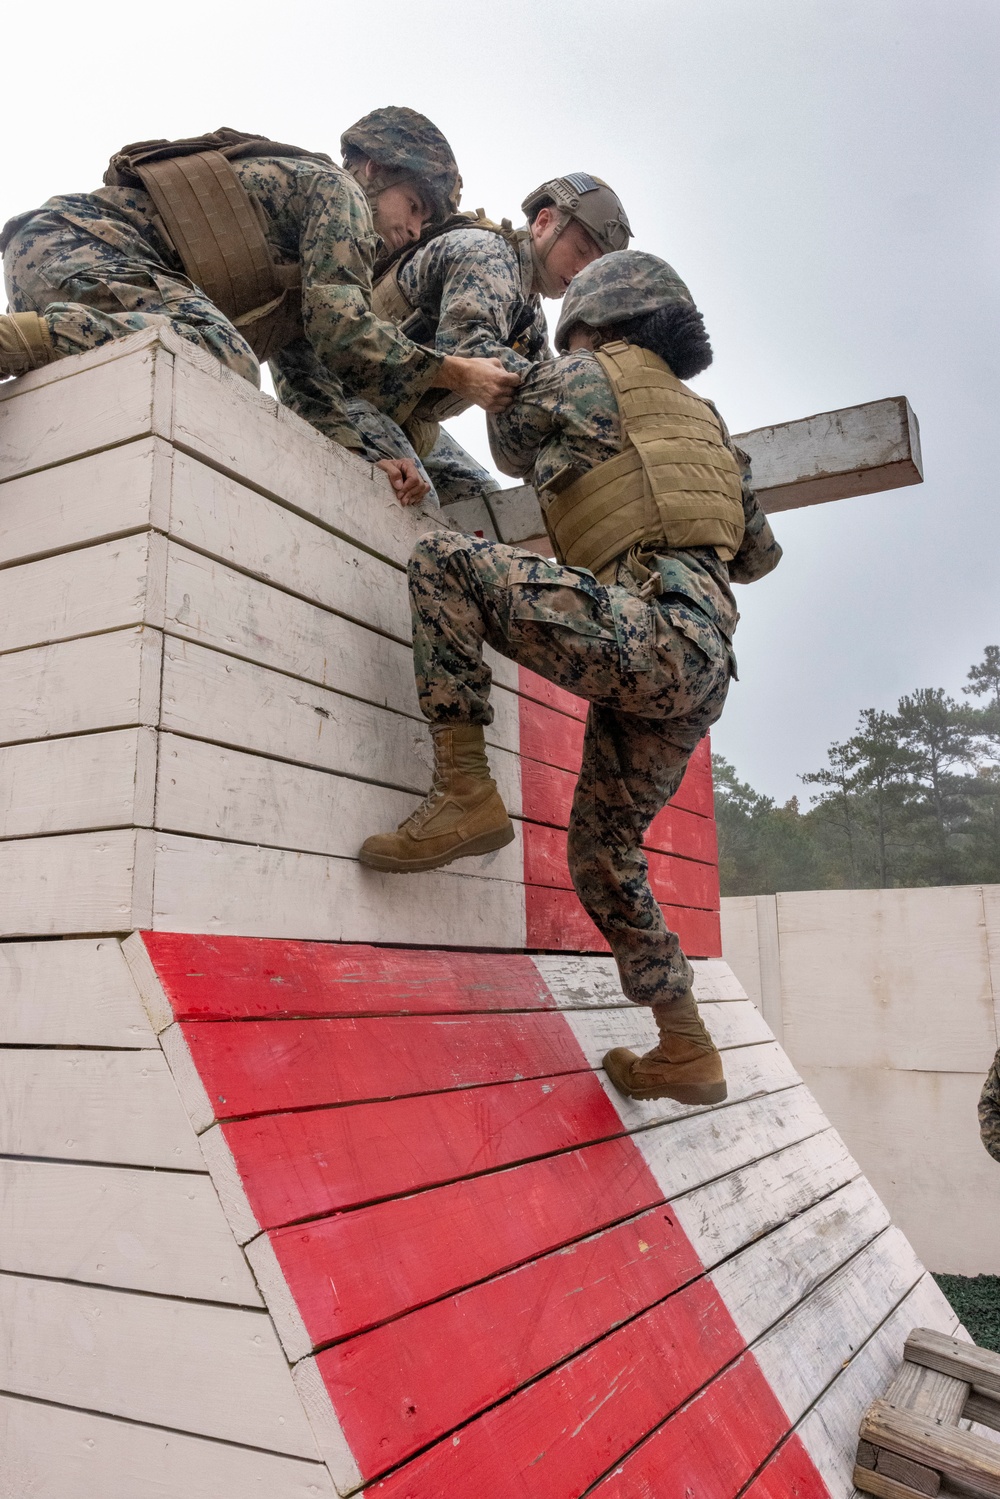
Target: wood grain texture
x: 208, y: 1370
x: 101, y: 587
x: 111, y: 1106
x: 52, y: 1452
x: 927, y: 1393
x: 157, y: 1231
x: 73, y: 785
x: 948, y: 1355
x: 960, y: 1456
x: 580, y: 981
x: 76, y: 882
x: 69, y: 993
x: 241, y: 890
x: 99, y: 682
x: 788, y: 1474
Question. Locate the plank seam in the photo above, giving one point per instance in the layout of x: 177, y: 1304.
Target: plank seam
x: 98, y: 1285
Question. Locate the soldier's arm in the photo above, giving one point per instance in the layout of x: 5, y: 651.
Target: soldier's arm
x: 989, y: 1110
x: 518, y: 435
x: 759, y: 553
x: 337, y: 249
x: 480, y: 296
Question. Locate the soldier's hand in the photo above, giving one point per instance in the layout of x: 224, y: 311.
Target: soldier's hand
x: 484, y: 382
x: 405, y: 479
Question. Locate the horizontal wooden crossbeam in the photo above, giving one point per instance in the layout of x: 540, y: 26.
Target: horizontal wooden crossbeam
x: 832, y: 456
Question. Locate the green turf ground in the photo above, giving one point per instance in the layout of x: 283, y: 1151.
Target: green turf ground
x: 976, y: 1300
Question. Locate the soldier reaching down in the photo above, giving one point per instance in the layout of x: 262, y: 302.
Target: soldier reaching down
x: 651, y: 516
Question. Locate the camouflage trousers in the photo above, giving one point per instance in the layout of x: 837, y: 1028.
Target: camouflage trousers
x: 452, y: 473
x: 90, y: 290
x: 655, y: 674
x: 989, y: 1110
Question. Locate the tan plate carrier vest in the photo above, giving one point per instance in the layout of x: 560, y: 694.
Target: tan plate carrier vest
x: 219, y: 232
x: 390, y: 303
x: 674, y: 484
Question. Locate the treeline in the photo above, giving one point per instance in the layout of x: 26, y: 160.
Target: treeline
x: 912, y: 798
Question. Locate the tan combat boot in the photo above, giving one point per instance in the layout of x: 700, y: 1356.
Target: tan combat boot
x: 685, y: 1064
x: 24, y: 343
x: 462, y: 813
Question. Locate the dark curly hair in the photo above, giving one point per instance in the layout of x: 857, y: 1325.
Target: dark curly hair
x: 675, y: 332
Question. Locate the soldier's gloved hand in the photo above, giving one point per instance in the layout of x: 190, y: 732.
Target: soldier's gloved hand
x: 405, y: 479
x: 484, y: 382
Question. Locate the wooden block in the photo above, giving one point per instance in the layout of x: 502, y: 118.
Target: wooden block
x: 857, y: 450
x: 51, y: 1452
x: 111, y: 493
x: 926, y: 1393
x: 866, y: 1455
x: 72, y: 785
x: 918, y: 1477
x: 883, y: 1487
x: 105, y: 587
x: 110, y: 1106
x: 69, y: 993
x: 517, y: 516
x: 208, y: 1370
x: 471, y: 516
x: 960, y: 1456
x: 983, y: 1410
x: 76, y: 882
x: 98, y: 682
x: 163, y: 1232
x: 977, y: 1366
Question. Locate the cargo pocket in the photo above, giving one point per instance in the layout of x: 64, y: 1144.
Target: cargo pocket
x: 545, y: 593
x: 702, y: 634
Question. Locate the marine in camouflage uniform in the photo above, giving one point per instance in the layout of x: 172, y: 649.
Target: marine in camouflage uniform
x: 989, y: 1110
x: 476, y: 292
x: 649, y: 646
x: 98, y: 266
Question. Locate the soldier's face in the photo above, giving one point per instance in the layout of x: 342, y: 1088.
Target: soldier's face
x: 561, y: 249
x: 400, y: 213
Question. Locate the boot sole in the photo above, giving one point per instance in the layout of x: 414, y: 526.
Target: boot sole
x: 486, y: 843
x: 694, y: 1093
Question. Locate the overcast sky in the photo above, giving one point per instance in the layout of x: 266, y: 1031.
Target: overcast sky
x: 823, y: 173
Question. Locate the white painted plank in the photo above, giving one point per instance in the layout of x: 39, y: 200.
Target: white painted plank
x: 219, y: 697
x: 146, y: 980
x: 598, y: 1030
x: 82, y: 409
x: 327, y: 1430
x: 72, y: 785
x: 78, y: 503
x: 805, y: 1351
x: 738, y: 915
x: 991, y: 912
x: 471, y: 516
x: 51, y: 1452
x: 221, y: 793
x: 107, y: 1106
x: 236, y: 889
x: 228, y: 1183
x: 756, y: 1199
x: 867, y: 974
x: 215, y: 514
x: 76, y: 882
x: 763, y: 1283
x: 158, y: 1231
x: 916, y: 1135
x: 72, y: 993
x: 83, y: 592
x: 830, y: 1429
x: 98, y: 682
x: 580, y: 981
x: 210, y: 1370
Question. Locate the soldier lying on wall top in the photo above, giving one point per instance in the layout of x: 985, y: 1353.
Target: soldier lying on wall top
x: 651, y: 516
x: 250, y: 249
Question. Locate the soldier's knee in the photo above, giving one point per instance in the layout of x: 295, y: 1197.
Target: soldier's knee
x: 435, y: 549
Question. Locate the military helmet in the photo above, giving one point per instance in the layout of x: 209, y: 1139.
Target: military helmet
x: 405, y: 144
x: 591, y: 202
x: 616, y: 287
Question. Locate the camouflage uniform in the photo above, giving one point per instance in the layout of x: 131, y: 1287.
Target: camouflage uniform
x: 989, y: 1110
x: 655, y: 671
x: 95, y: 266
x: 471, y: 293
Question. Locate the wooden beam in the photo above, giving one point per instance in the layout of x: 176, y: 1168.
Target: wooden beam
x: 832, y: 456
x: 977, y: 1366
x: 958, y: 1455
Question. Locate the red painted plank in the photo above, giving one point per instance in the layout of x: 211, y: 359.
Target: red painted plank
x: 302, y: 1165
x: 547, y: 795
x: 710, y: 1448
x: 789, y: 1474
x: 235, y: 978
x: 680, y: 882
x: 549, y: 736
x: 264, y: 1066
x: 695, y: 791
x: 530, y: 684
x: 493, y: 1223
x: 556, y: 922
x: 546, y: 792
x: 553, y: 1439
x: 676, y: 831
x: 402, y: 1386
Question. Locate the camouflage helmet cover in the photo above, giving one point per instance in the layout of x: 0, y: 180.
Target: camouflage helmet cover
x: 591, y: 202
x: 407, y: 144
x: 623, y: 285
